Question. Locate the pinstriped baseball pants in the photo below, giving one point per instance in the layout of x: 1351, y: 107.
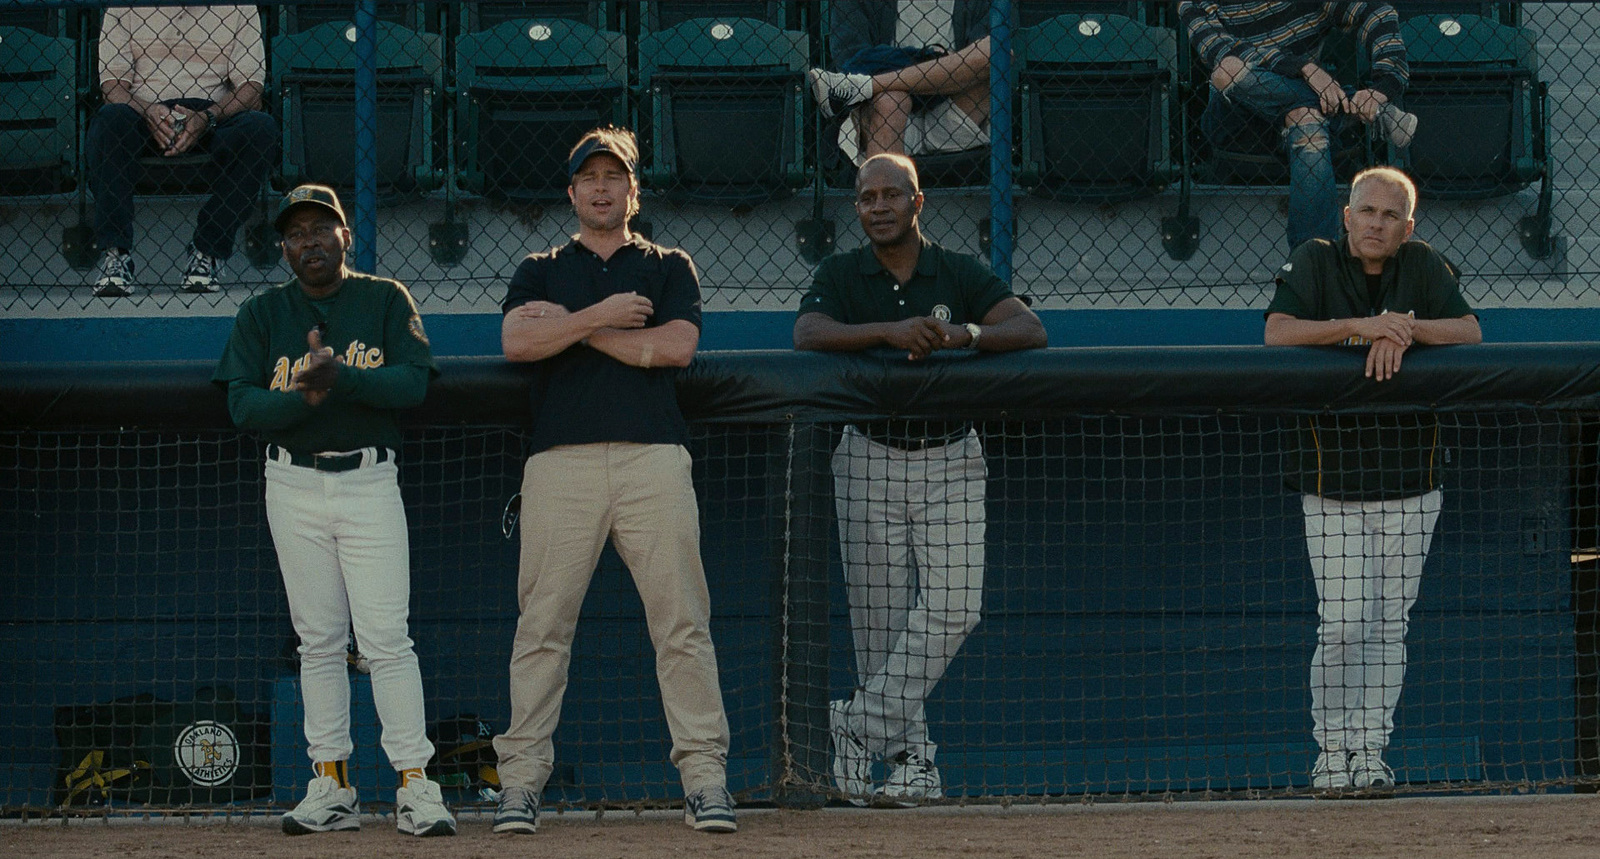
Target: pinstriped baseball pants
x: 911, y: 531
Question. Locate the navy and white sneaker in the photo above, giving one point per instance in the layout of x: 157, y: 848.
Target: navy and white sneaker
x: 326, y: 808
x: 200, y: 275
x: 420, y: 811
x: 116, y: 274
x: 838, y: 92
x: 710, y: 809
x: 518, y: 812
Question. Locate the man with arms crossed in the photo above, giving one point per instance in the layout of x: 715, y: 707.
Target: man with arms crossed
x: 909, y: 494
x: 332, y: 501
x: 1369, y: 484
x: 609, y: 317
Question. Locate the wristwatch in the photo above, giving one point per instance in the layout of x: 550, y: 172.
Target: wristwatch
x: 211, y: 119
x: 976, y: 332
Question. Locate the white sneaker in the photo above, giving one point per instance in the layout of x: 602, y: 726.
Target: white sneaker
x: 1332, y: 771
x: 1367, y: 770
x: 326, y: 808
x: 419, y: 810
x: 200, y: 275
x: 837, y: 92
x: 116, y: 275
x: 913, y: 781
x: 852, y: 766
x: 1397, y: 125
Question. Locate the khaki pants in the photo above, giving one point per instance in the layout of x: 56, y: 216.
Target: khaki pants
x: 640, y: 496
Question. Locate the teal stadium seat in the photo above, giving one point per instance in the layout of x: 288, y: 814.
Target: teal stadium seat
x: 1031, y: 13
x: 38, y: 112
x: 1479, y: 104
x: 525, y: 92
x: 314, y: 78
x: 658, y: 15
x: 300, y: 17
x: 1095, y: 111
x: 1483, y: 116
x: 486, y: 15
x: 722, y: 101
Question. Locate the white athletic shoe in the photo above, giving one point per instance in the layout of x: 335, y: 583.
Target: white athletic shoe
x: 710, y: 809
x: 838, y: 92
x: 913, y: 781
x: 326, y: 808
x: 1367, y: 770
x: 1397, y: 125
x: 1332, y: 771
x: 116, y: 275
x: 852, y: 766
x: 420, y: 811
x: 200, y: 275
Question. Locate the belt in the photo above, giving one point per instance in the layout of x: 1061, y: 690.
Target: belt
x: 334, y: 462
x: 901, y: 441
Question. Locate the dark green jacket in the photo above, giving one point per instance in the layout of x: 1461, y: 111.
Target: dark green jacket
x: 1366, y: 457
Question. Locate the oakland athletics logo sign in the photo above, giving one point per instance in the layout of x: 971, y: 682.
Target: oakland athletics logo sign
x: 207, y: 752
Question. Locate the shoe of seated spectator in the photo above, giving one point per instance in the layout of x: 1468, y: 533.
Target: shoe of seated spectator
x: 1368, y: 771
x: 710, y: 809
x: 420, y: 810
x: 913, y: 781
x: 837, y: 92
x: 1332, y: 771
x: 1397, y: 125
x: 200, y: 275
x: 326, y: 808
x: 116, y: 274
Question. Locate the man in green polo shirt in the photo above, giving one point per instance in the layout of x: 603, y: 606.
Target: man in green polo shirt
x: 319, y: 366
x: 909, y: 494
x: 1369, y: 484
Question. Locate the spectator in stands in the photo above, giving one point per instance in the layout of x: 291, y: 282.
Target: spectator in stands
x: 1261, y: 57
x: 607, y: 320
x: 909, y: 494
x: 178, y: 80
x: 1369, y: 484
x: 907, y: 87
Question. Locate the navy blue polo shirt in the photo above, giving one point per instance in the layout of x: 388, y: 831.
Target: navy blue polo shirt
x: 582, y: 395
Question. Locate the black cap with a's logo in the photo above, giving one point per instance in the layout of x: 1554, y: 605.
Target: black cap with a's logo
x: 309, y: 195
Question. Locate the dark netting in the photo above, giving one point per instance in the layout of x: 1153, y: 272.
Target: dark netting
x: 1125, y: 190
x: 1148, y: 613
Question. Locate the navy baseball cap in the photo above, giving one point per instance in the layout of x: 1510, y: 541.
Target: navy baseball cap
x: 595, y: 146
x: 309, y: 195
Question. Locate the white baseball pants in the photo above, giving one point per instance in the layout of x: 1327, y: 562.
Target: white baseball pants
x: 1366, y: 559
x: 343, y: 550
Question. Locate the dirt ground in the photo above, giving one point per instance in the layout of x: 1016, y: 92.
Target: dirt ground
x: 1548, y: 827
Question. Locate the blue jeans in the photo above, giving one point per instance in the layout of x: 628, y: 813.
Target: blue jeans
x: 242, y: 148
x: 1258, y: 95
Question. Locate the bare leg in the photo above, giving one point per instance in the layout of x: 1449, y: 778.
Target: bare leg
x: 886, y: 118
x: 950, y: 74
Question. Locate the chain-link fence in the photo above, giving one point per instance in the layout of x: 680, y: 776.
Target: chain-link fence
x: 1131, y: 181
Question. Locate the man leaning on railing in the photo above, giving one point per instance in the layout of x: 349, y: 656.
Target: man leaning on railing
x: 1369, y: 484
